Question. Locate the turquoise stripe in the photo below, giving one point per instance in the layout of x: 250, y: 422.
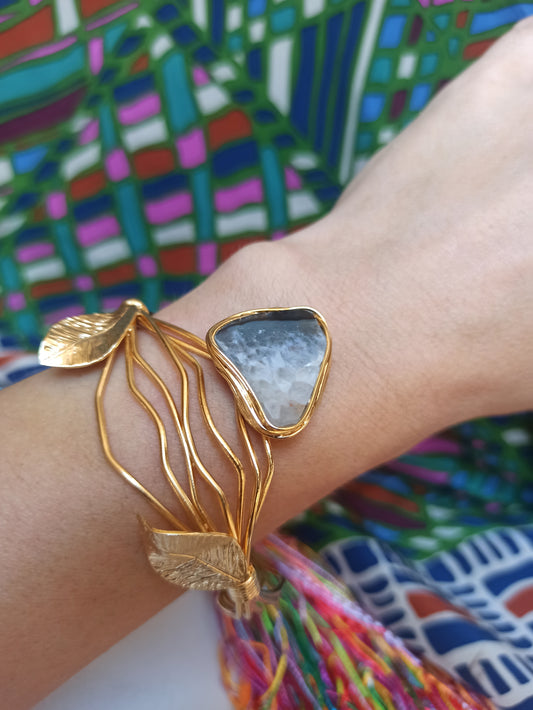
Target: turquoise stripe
x: 35, y: 79
x: 179, y: 100
x: 9, y: 274
x: 132, y: 218
x: 151, y: 294
x: 26, y: 324
x: 274, y: 185
x: 112, y: 36
x: 67, y: 248
x: 201, y: 188
x: 107, y: 128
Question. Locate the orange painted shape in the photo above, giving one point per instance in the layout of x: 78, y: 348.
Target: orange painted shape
x: 150, y: 163
x: 91, y: 7
x: 233, y: 125
x: 380, y: 495
x: 476, y: 49
x: 124, y: 272
x: 88, y: 185
x: 460, y: 20
x: 140, y: 64
x: 521, y: 603
x: 181, y: 260
x: 426, y: 604
x: 32, y: 32
x: 51, y: 289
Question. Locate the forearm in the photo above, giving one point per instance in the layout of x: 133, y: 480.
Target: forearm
x: 75, y: 576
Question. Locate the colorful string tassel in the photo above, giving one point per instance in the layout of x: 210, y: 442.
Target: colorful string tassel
x: 318, y: 650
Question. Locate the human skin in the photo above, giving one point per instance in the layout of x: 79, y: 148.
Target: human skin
x: 424, y: 273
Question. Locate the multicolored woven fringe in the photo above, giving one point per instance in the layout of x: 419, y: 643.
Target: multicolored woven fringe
x: 319, y: 650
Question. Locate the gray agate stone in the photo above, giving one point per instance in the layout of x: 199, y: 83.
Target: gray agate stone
x: 280, y: 354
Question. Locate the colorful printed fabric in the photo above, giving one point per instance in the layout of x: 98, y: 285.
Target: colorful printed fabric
x: 142, y: 144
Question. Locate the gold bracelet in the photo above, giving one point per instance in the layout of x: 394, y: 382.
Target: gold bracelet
x: 275, y: 361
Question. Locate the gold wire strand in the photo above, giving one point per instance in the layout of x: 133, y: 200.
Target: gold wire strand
x: 148, y: 369
x: 269, y: 474
x: 208, y: 419
x: 256, y: 495
x: 185, y: 413
x: 100, y: 391
x: 163, y: 441
x: 197, y: 346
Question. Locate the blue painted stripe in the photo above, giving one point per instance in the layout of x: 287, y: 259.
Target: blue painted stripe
x: 88, y: 209
x: 203, y: 209
x: 274, y: 187
x: 495, y: 678
x: 45, y: 76
x: 217, y: 13
x: 181, y: 107
x: 501, y: 580
x: 333, y: 31
x: 132, y: 218
x: 486, y: 21
x: 134, y: 88
x: 303, y: 90
x: 350, y: 48
x: 446, y: 635
x: 26, y: 160
x: 237, y: 157
x: 162, y: 186
x: 30, y: 234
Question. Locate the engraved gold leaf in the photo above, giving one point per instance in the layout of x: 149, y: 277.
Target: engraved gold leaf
x: 84, y: 340
x: 209, y: 561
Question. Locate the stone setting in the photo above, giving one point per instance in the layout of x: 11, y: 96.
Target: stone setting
x: 280, y: 355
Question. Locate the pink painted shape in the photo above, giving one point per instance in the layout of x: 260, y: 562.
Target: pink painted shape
x: 117, y: 165
x: 147, y: 266
x: 292, y: 179
x: 424, y: 3
x: 5, y: 18
x: 90, y: 132
x: 56, y: 204
x: 83, y: 282
x: 41, y: 52
x: 162, y: 211
x: 200, y: 76
x: 54, y: 316
x: 97, y: 230
x: 34, y: 2
x: 207, y: 258
x: 140, y: 110
x: 277, y: 235
x: 96, y: 54
x: 112, y: 16
x: 16, y: 301
x: 39, y: 250
x: 228, y: 199
x: 191, y: 148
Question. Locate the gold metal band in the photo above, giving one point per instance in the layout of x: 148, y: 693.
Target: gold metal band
x: 194, y: 553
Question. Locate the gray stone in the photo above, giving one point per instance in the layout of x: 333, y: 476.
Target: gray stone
x: 279, y: 355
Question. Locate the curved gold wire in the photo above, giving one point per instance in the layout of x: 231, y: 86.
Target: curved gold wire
x: 163, y: 441
x: 208, y: 419
x: 100, y: 391
x: 186, y: 425
x: 149, y: 370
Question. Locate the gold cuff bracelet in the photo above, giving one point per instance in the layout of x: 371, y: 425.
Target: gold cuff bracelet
x: 275, y: 362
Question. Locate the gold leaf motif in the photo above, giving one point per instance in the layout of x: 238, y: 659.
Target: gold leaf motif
x: 209, y: 561
x: 84, y: 340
